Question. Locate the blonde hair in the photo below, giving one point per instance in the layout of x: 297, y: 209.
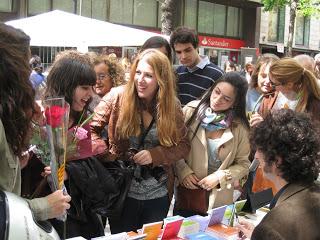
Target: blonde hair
x: 166, y: 101
x: 288, y: 70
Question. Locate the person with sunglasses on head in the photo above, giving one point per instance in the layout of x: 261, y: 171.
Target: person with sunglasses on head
x: 295, y: 87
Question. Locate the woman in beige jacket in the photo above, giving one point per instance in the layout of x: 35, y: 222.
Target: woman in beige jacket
x: 218, y: 131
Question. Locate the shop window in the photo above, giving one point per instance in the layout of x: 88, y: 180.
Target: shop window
x: 302, y: 30
x: 190, y: 13
x: 219, y: 19
x: 36, y: 7
x: 232, y: 22
x: 145, y: 13
x: 121, y: 11
x: 6, y: 5
x: 64, y: 5
x: 276, y: 25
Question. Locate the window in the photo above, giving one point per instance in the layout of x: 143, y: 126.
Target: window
x: 145, y: 13
x: 121, y: 11
x: 64, y: 5
x: 302, y: 31
x: 99, y: 9
x: 190, y: 13
x: 36, y: 7
x: 219, y: 19
x: 205, y: 16
x: 276, y: 25
x: 6, y: 5
x: 232, y: 22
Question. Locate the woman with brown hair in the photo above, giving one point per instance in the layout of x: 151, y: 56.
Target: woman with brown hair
x: 296, y: 88
x: 147, y: 107
x: 16, y: 112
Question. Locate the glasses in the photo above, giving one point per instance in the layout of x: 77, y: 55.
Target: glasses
x: 273, y: 84
x: 102, y: 76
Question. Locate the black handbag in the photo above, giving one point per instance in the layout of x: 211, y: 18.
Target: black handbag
x: 123, y: 171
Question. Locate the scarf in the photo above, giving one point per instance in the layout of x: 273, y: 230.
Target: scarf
x: 215, y: 121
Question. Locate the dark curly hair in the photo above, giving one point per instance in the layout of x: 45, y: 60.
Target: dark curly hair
x: 184, y: 35
x: 16, y: 92
x: 295, y: 139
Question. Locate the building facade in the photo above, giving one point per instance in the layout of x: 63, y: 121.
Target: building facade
x: 274, y: 32
x: 225, y: 27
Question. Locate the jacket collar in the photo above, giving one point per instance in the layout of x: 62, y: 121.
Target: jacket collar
x: 291, y: 190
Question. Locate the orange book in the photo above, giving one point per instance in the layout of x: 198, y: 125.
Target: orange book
x: 261, y: 183
x: 224, y: 231
x: 152, y: 230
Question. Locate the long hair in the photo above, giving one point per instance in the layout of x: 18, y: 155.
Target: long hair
x: 70, y: 70
x: 166, y: 102
x: 262, y: 62
x: 288, y: 70
x: 240, y: 85
x: 16, y: 92
x: 115, y: 69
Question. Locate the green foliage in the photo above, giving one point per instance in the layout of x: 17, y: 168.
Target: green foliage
x: 305, y: 7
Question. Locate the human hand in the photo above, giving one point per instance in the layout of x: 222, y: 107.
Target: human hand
x: 210, y: 181
x: 255, y: 119
x: 245, y: 228
x: 142, y: 158
x: 47, y: 171
x: 191, y: 181
x: 58, y: 204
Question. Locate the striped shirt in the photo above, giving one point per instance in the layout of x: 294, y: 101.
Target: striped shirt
x: 192, y: 83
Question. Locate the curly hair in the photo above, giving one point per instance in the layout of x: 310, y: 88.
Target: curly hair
x: 115, y: 69
x: 294, y: 138
x: 16, y: 92
x: 184, y: 35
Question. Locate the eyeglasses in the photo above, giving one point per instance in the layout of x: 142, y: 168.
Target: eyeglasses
x: 273, y: 84
x: 102, y: 76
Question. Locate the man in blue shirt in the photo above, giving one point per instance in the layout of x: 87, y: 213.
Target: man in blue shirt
x: 196, y: 73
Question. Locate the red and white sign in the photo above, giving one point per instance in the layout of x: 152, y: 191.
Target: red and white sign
x: 220, y: 42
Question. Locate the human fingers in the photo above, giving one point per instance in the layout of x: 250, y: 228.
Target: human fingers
x: 143, y: 157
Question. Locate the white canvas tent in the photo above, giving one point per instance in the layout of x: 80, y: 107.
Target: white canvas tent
x: 58, y: 28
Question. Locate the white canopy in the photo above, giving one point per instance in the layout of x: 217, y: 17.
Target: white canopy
x: 58, y: 28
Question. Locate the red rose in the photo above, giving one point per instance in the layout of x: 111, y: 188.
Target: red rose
x: 54, y: 115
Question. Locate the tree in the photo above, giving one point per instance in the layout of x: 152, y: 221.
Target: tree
x: 167, y: 10
x: 306, y: 7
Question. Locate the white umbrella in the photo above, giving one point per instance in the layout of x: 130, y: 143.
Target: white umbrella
x: 58, y: 28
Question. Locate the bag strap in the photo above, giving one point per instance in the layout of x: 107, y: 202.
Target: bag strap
x: 144, y: 134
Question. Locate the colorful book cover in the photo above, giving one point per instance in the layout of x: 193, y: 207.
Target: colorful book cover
x: 202, y: 220
x: 188, y: 227
x: 200, y: 236
x: 171, y: 229
x: 152, y: 230
x: 226, y: 232
x: 216, y: 215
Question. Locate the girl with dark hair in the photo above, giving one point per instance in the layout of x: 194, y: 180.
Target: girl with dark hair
x: 72, y: 77
x: 218, y: 131
x: 160, y: 44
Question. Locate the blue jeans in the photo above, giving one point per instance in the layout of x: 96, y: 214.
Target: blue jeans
x: 138, y: 212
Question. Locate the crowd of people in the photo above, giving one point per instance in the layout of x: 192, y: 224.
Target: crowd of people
x: 192, y: 132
